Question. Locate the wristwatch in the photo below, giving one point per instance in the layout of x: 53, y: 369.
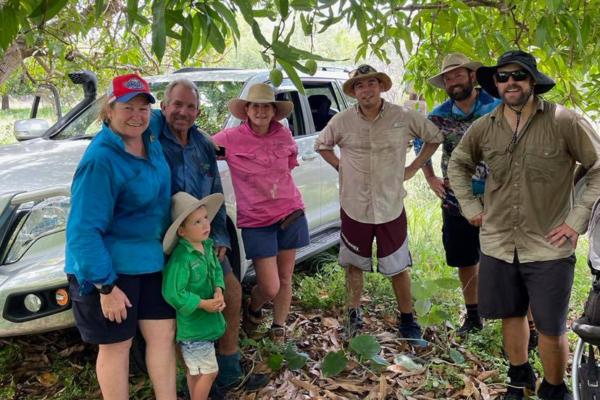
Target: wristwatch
x: 105, y: 289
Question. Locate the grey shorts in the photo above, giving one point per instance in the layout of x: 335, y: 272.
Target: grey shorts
x: 199, y: 356
x: 507, y: 289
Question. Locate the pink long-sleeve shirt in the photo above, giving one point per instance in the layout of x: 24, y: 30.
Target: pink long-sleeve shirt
x: 261, y: 172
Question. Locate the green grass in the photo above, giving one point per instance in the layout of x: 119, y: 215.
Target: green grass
x: 8, y: 118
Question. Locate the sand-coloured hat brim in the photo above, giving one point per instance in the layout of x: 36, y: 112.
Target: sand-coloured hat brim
x: 485, y: 77
x: 348, y: 86
x: 237, y: 108
x: 212, y: 203
x: 438, y: 80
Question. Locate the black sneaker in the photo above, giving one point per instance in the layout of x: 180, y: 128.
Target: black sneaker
x: 470, y: 325
x: 533, y: 340
x: 549, y: 392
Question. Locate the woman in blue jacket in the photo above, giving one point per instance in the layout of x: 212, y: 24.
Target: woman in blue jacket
x: 120, y: 204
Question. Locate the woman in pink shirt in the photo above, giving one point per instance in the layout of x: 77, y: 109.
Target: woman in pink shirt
x: 261, y: 154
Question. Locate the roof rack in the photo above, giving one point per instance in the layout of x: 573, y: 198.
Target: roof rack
x: 332, y: 68
x: 194, y: 69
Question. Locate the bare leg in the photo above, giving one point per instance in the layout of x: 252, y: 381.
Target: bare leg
x: 201, y: 385
x: 554, y: 352
x: 516, y: 336
x: 468, y: 279
x: 160, y: 356
x: 286, y: 260
x: 112, y: 369
x: 401, y: 284
x: 267, y: 282
x: 355, y: 280
x: 228, y: 344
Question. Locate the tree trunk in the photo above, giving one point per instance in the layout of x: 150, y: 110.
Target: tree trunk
x: 5, y: 105
x: 13, y: 57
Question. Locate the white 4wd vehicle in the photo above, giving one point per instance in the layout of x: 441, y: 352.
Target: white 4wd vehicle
x: 35, y: 180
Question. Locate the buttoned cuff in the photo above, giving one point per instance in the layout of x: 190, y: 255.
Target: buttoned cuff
x: 471, y: 208
x: 577, y: 222
x: 190, y: 305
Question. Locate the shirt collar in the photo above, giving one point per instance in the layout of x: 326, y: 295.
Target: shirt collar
x: 498, y: 112
x: 188, y: 246
x: 169, y: 135
x: 384, y: 107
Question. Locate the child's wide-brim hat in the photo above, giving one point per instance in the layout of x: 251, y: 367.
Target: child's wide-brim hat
x: 182, y: 205
x: 260, y: 93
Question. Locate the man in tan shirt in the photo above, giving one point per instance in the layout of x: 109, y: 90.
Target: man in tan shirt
x: 528, y: 228
x: 373, y: 137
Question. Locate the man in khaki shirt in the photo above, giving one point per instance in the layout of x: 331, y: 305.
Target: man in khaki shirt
x: 528, y: 228
x: 373, y: 137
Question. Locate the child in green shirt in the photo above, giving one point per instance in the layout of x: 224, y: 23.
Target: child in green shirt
x: 193, y: 285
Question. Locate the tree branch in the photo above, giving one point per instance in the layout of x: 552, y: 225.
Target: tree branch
x: 471, y: 3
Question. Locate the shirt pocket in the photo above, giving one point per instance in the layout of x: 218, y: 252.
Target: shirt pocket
x: 138, y: 193
x: 497, y: 162
x: 544, y: 164
x: 282, y: 157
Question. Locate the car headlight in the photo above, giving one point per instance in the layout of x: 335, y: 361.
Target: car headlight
x: 46, y: 217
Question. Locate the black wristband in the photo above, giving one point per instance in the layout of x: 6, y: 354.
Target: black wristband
x: 106, y: 289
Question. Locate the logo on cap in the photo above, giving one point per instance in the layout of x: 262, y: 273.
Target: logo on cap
x: 134, y: 84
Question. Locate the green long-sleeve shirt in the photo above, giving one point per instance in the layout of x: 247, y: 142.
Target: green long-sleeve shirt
x: 189, y: 277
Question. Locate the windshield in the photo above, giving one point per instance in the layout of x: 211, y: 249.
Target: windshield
x: 214, y: 96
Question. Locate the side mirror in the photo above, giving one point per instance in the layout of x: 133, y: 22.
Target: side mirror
x: 26, y: 129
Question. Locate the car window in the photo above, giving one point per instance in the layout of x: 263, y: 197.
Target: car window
x: 295, y: 120
x: 350, y: 100
x: 324, y: 104
x: 214, y: 96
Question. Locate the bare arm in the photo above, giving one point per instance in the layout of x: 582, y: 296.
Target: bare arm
x: 331, y: 158
x: 426, y: 152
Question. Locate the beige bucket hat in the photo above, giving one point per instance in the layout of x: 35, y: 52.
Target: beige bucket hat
x: 451, y: 62
x: 365, y: 72
x: 260, y: 93
x: 182, y: 205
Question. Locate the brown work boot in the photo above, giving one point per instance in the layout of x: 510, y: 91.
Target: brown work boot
x: 250, y: 323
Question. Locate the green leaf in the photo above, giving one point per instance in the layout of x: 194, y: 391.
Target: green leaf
x: 456, y: 356
x: 275, y: 362
x: 306, y: 55
x: 330, y: 21
x: 297, y: 361
x: 284, y: 8
x: 292, y: 74
x: 159, y: 29
x: 228, y: 16
x: 99, y: 8
x: 53, y: 8
x: 422, y: 307
x: 447, y: 283
x: 303, y: 5
x: 307, y: 25
x: 334, y: 363
x: 215, y: 38
x: 197, y: 35
x: 9, y: 26
x: 283, y: 51
x: 258, y: 34
x: 540, y: 33
x: 187, y: 39
x: 132, y: 10
x: 365, y: 347
x: 419, y: 292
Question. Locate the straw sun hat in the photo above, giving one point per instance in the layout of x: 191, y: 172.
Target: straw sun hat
x: 182, y: 205
x: 450, y: 63
x: 260, y: 93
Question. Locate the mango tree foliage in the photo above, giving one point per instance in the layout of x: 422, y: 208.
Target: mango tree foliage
x: 563, y: 34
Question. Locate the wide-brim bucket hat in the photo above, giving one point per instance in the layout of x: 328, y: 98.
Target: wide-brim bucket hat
x: 450, y: 63
x: 260, y: 93
x: 365, y: 72
x: 182, y: 205
x: 485, y: 75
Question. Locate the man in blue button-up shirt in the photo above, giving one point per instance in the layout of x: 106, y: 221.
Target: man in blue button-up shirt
x: 194, y: 170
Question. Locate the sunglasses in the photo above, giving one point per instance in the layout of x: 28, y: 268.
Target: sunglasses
x: 362, y: 70
x: 518, y: 76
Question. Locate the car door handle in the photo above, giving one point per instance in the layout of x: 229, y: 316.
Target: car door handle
x: 309, y: 156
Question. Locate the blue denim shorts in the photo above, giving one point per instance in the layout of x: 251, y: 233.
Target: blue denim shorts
x: 267, y: 241
x: 199, y: 356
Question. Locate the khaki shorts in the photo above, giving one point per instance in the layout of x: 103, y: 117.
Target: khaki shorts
x: 199, y: 356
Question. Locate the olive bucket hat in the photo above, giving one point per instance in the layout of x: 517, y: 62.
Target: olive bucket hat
x: 485, y: 75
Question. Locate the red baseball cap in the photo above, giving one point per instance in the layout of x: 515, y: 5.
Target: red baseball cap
x: 123, y: 88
